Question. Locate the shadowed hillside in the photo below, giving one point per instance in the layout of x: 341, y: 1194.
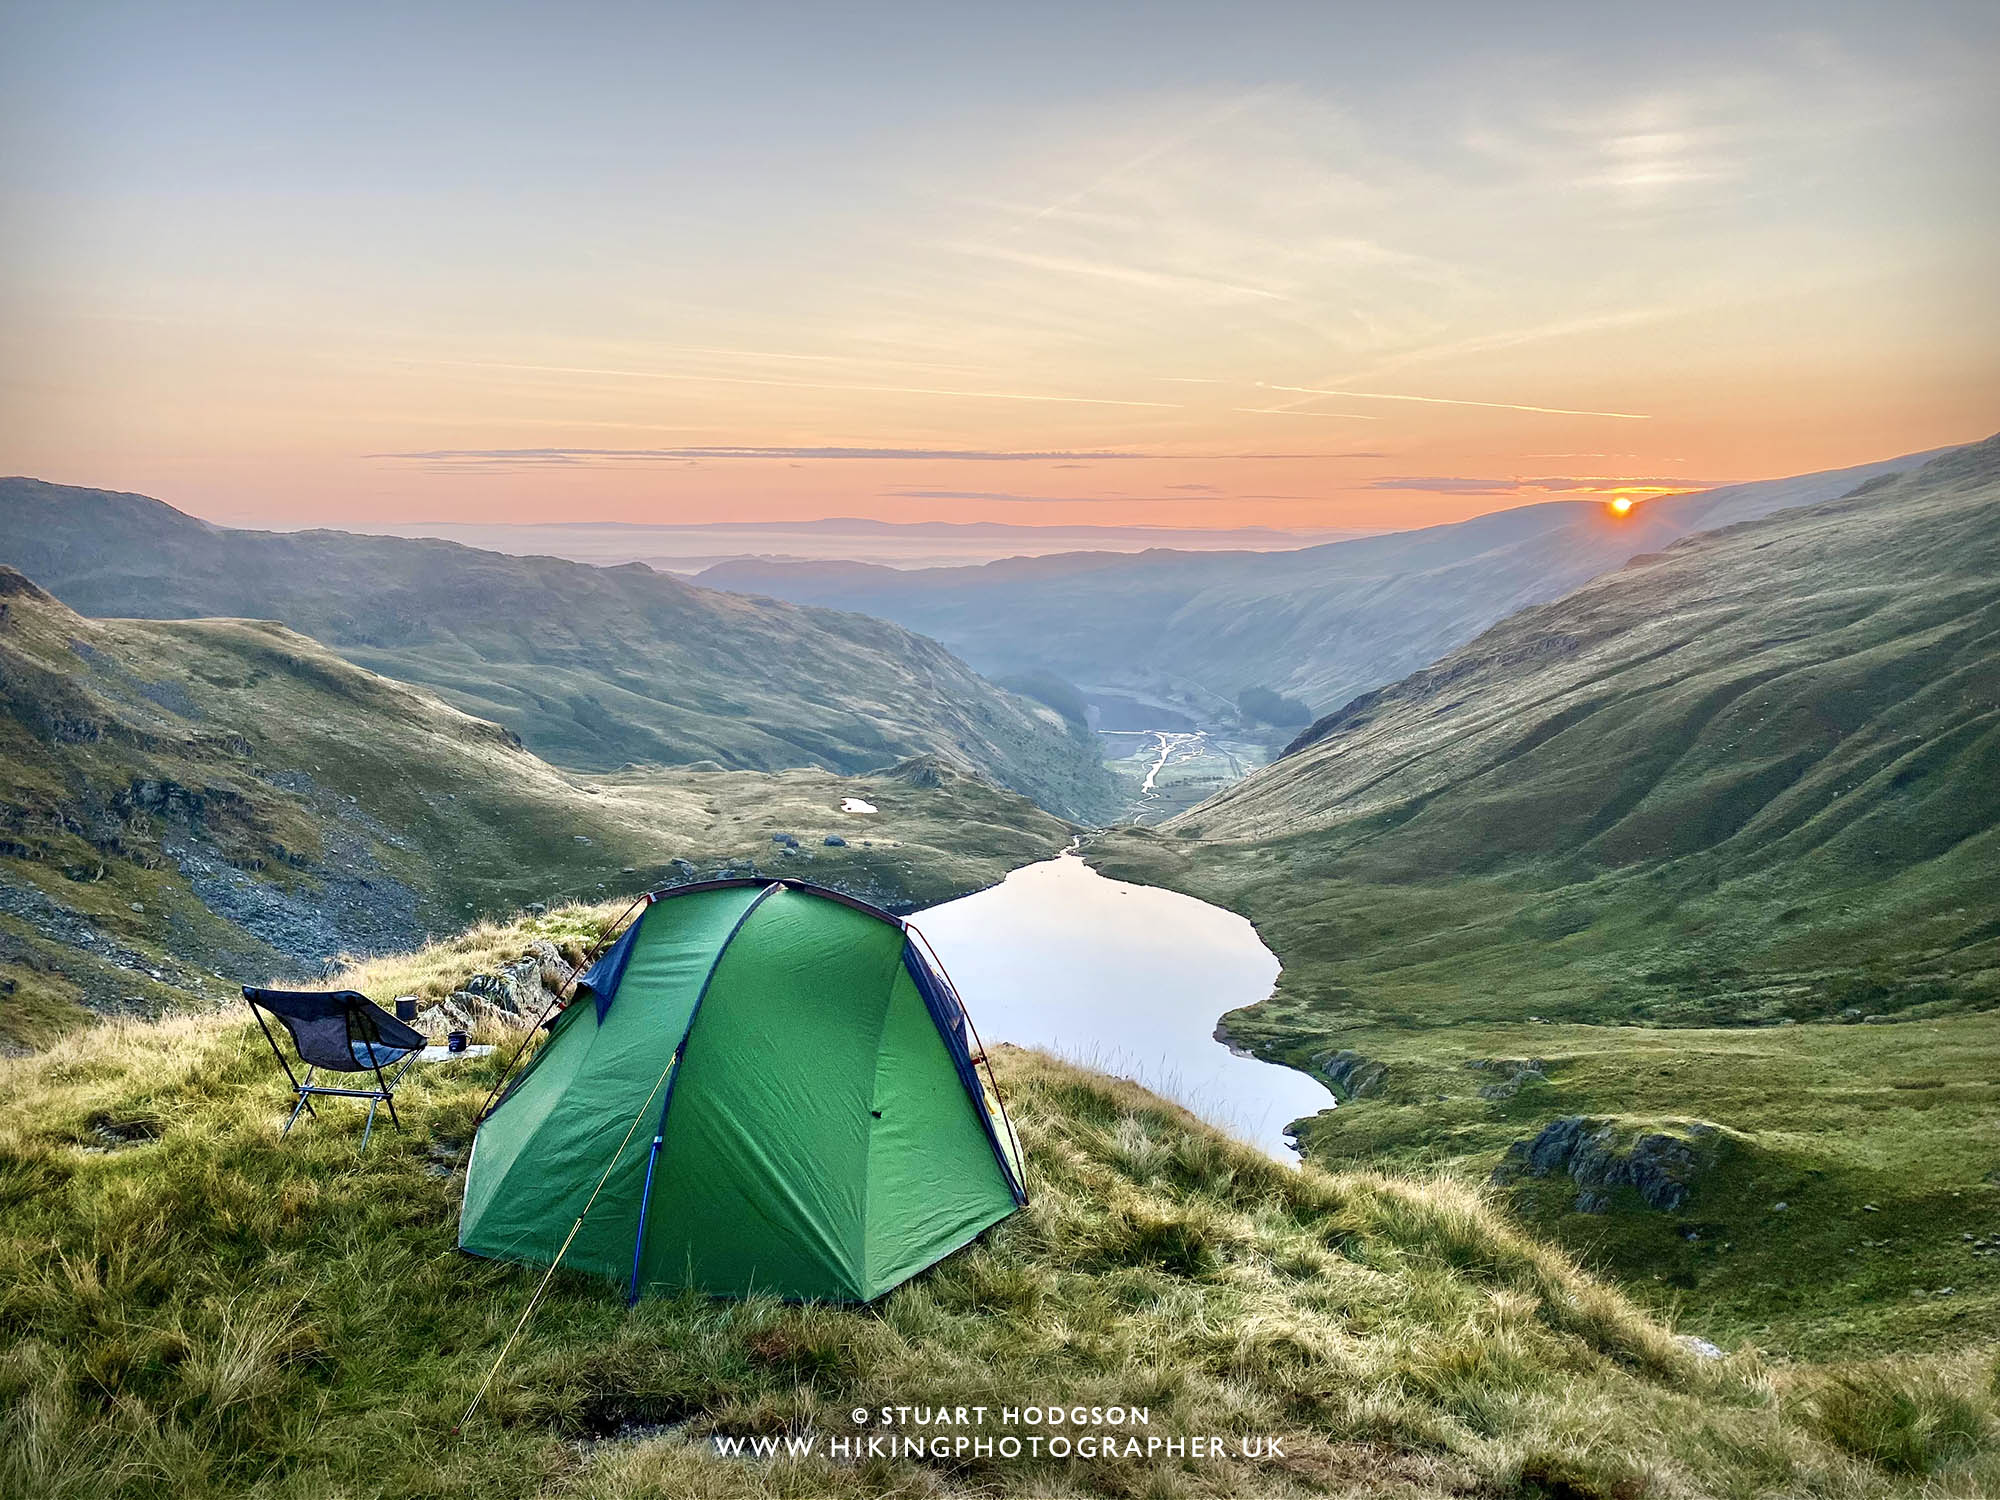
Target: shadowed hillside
x: 593, y: 667
x: 184, y: 805
x: 1673, y: 901
x: 1321, y: 623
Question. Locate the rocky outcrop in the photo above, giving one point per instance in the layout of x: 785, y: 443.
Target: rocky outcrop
x: 1517, y: 1073
x: 1660, y: 1161
x: 1349, y: 1074
x: 515, y: 994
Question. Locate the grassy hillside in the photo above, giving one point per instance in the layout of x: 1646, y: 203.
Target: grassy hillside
x: 1321, y: 623
x: 593, y: 668
x: 1711, y: 841
x: 190, y: 1307
x: 186, y: 804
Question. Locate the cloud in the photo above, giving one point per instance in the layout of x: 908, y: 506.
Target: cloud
x: 691, y: 378
x: 1178, y: 284
x: 1594, y: 484
x: 617, y: 457
x: 1003, y: 497
x: 1206, y: 489
x: 1556, y: 411
x: 1289, y: 411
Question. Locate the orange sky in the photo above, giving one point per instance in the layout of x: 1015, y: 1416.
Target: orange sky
x: 1049, y: 273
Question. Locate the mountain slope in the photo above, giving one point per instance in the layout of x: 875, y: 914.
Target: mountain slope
x: 1776, y: 691
x: 1704, y: 855
x: 592, y: 667
x: 1322, y: 623
x: 182, y: 801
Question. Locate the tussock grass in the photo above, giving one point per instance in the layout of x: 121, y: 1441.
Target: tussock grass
x: 209, y: 1311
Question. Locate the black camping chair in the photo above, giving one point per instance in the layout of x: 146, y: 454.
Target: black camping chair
x: 340, y: 1031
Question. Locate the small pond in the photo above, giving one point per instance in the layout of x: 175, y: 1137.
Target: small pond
x: 1128, y: 979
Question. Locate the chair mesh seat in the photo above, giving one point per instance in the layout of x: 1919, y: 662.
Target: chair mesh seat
x: 339, y: 1031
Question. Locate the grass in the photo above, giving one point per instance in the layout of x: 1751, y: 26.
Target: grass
x: 191, y: 1307
x: 1831, y: 1118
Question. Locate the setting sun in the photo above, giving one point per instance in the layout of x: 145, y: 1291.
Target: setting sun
x: 1622, y: 505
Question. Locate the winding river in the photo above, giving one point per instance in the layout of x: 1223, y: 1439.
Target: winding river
x: 1128, y: 979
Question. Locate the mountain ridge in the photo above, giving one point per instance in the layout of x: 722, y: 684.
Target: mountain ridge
x: 593, y: 667
x: 1320, y: 623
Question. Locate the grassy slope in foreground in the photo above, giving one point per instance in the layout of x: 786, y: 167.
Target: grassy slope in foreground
x: 185, y: 805
x: 594, y: 668
x: 190, y: 1307
x: 1748, y: 780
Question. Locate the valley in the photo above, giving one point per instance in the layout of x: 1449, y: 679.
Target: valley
x: 1649, y: 926
x: 1167, y: 771
x: 1699, y: 854
x: 1322, y: 623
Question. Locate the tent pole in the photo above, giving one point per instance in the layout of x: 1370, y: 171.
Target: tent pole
x: 645, y: 1199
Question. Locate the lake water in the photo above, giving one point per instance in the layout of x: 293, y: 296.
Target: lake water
x: 1127, y: 979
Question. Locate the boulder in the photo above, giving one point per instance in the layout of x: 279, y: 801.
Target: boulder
x: 1349, y: 1074
x: 1660, y: 1161
x: 834, y: 841
x: 1519, y: 1072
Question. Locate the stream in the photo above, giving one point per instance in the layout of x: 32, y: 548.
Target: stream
x: 1127, y: 979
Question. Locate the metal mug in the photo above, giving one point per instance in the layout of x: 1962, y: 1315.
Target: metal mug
x: 406, y: 1007
x: 455, y: 1042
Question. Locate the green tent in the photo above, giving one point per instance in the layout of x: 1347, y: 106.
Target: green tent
x: 799, y: 1109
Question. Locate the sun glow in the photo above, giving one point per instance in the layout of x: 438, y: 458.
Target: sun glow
x: 1621, y: 505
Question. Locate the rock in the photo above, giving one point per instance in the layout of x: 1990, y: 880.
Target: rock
x: 1778, y: 1208
x: 1349, y: 1074
x: 1520, y: 1073
x: 536, y: 908
x: 926, y: 771
x: 681, y: 866
x: 785, y: 840
x: 1599, y: 1156
x: 834, y: 841
x: 1700, y: 1348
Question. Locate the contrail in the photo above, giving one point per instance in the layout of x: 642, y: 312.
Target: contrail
x: 1553, y: 411
x: 796, y: 385
x: 1286, y: 411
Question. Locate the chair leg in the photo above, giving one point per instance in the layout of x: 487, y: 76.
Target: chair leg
x: 390, y: 1100
x: 370, y: 1126
x: 296, y: 1109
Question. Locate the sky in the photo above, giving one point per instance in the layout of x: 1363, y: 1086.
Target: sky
x: 1307, y: 266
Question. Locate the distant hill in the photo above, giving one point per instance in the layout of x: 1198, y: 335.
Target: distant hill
x: 190, y: 805
x: 593, y: 667
x: 1790, y: 726
x: 689, y: 548
x: 1318, y: 623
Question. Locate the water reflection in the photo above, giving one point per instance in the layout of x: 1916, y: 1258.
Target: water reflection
x: 1128, y: 979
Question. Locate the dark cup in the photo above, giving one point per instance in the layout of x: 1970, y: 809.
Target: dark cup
x: 406, y: 1007
x: 455, y: 1042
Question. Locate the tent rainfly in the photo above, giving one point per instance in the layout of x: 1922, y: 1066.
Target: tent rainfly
x: 810, y: 1119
